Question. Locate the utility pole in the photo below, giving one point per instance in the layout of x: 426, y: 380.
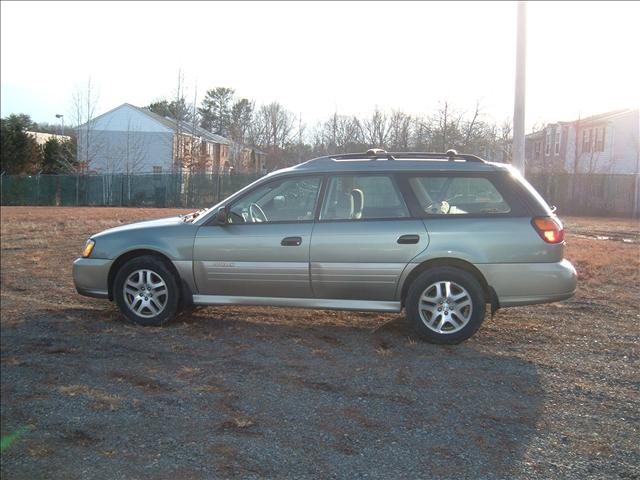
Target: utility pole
x: 300, y: 138
x: 521, y: 66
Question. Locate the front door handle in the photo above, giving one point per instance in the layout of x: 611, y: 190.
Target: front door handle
x: 291, y: 241
x: 408, y: 239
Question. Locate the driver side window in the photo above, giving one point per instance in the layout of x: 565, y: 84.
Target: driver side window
x: 287, y: 200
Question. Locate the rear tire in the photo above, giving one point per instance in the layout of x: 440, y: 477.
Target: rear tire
x: 445, y: 305
x: 146, y: 291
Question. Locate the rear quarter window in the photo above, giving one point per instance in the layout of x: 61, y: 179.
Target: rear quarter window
x: 458, y: 195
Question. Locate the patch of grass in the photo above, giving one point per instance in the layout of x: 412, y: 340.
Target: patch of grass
x: 384, y: 349
x: 40, y: 451
x: 102, y: 398
x: 188, y: 371
x: 241, y: 424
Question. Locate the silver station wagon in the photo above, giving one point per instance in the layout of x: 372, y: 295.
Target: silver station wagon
x: 442, y: 235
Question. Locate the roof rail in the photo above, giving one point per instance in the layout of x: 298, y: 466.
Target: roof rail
x: 376, y: 153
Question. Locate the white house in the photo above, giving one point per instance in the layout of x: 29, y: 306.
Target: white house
x: 604, y: 143
x: 129, y: 139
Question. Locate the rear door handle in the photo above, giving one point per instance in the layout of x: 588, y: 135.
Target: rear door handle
x: 291, y: 241
x: 407, y: 239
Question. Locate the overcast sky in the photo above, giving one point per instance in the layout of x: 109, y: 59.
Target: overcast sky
x: 316, y: 58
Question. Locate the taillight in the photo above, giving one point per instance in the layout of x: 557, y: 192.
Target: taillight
x: 550, y: 229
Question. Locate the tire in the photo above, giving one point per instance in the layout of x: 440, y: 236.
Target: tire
x: 458, y: 318
x: 143, y: 306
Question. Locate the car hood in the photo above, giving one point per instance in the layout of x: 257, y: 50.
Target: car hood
x: 146, y: 224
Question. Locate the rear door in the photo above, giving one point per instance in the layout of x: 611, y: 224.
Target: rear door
x: 363, y: 239
x: 475, y: 216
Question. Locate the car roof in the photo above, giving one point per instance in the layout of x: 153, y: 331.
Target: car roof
x: 382, y: 161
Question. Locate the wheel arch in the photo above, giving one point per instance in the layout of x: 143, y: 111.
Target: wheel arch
x: 490, y: 294
x: 185, y: 291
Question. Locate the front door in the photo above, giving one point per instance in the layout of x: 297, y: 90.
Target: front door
x: 264, y: 250
x: 364, y: 239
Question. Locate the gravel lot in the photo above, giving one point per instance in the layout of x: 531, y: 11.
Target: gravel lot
x: 548, y: 391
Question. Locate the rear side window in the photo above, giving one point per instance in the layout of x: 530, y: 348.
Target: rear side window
x: 361, y: 197
x: 458, y: 195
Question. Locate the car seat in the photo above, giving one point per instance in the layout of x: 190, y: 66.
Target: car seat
x: 357, y: 202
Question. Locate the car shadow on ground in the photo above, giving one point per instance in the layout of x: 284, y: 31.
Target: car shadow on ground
x: 240, y: 393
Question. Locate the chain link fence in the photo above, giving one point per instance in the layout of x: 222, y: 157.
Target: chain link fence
x: 573, y: 194
x: 590, y: 194
x: 140, y: 190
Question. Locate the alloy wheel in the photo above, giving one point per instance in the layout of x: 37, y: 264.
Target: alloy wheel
x: 145, y: 293
x: 445, y: 307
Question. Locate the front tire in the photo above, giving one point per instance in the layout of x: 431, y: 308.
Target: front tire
x: 445, y: 305
x: 146, y: 291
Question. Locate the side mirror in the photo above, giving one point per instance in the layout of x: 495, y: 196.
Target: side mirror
x: 222, y: 215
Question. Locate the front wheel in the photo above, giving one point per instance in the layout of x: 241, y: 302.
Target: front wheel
x: 445, y: 305
x: 146, y: 291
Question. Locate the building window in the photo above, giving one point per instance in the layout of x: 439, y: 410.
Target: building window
x: 586, y: 140
x: 537, y: 150
x: 547, y: 143
x: 157, y: 170
x: 600, y: 132
x: 203, y: 148
x: 558, y: 138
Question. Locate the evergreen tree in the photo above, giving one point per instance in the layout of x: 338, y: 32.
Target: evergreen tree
x: 176, y: 110
x: 215, y: 112
x: 241, y: 118
x: 19, y: 151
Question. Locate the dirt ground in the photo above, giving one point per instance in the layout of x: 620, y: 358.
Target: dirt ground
x: 549, y: 391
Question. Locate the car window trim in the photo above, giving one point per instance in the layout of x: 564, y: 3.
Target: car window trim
x: 394, y: 181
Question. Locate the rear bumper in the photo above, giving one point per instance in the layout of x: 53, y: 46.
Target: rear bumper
x: 530, y: 283
x: 90, y: 277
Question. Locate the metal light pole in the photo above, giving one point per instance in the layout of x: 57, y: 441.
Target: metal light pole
x: 518, y: 111
x: 61, y: 117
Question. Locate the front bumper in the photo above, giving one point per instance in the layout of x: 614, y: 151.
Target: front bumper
x: 530, y: 283
x: 90, y: 277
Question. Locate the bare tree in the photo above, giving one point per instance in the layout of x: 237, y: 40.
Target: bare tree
x: 135, y: 154
x: 179, y: 114
x: 84, y: 102
x: 505, y: 139
x: 274, y: 126
x: 399, y: 130
x: 470, y: 128
x: 421, y: 136
x: 375, y: 129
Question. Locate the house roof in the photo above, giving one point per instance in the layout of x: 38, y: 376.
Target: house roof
x: 195, y: 130
x: 606, y: 116
x: 173, y: 125
x: 532, y: 135
x: 587, y: 120
x: 41, y: 137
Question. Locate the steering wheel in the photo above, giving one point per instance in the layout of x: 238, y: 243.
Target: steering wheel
x: 257, y: 214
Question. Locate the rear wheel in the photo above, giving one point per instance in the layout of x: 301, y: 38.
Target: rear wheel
x: 146, y: 291
x: 445, y: 305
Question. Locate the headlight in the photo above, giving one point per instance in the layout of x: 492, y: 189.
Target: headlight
x: 88, y: 248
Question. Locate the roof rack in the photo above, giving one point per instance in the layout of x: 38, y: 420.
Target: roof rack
x: 376, y: 153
